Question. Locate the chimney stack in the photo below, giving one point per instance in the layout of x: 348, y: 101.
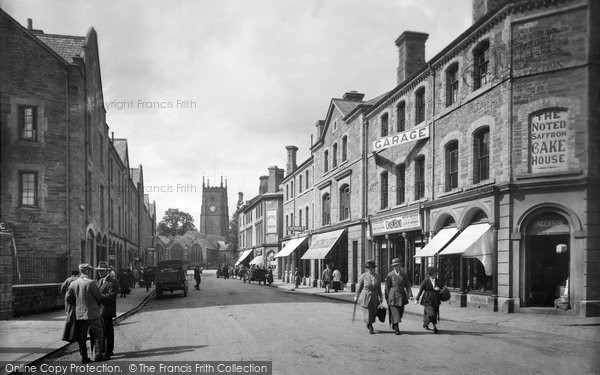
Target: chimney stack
x: 264, y: 185
x: 353, y: 96
x: 240, y: 199
x: 275, y: 178
x: 30, y: 24
x: 411, y: 53
x: 291, y: 159
x: 483, y: 7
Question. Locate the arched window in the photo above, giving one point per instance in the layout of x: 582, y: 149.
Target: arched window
x: 452, y: 84
x: 384, y: 125
x: 481, y: 155
x: 420, y: 105
x: 401, y: 116
x: 326, y: 204
x: 344, y: 148
x: 481, y: 60
x: 334, y: 155
x: 300, y: 217
x: 451, y: 165
x: 345, y: 202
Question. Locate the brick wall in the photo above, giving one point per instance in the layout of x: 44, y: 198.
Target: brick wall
x: 31, y: 299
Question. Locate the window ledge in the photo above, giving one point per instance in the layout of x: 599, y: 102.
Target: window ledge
x: 451, y: 192
x: 482, y: 184
x: 572, y: 172
x: 401, y: 205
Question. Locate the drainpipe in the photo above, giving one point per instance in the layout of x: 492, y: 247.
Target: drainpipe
x: 68, y: 182
x: 432, y: 138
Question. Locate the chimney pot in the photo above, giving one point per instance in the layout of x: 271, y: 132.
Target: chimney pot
x: 411, y: 53
x: 353, y: 96
x: 291, y: 159
x: 30, y: 24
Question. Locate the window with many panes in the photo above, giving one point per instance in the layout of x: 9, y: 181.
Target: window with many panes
x: 481, y: 157
x: 28, y: 123
x: 345, y: 202
x: 334, y: 155
x: 384, y: 125
x: 326, y: 204
x: 326, y: 161
x: 481, y: 60
x: 344, y: 148
x: 420, y: 105
x: 383, y: 193
x: 451, y: 165
x: 419, y: 178
x: 452, y: 84
x: 400, y: 184
x: 401, y: 116
x: 28, y: 189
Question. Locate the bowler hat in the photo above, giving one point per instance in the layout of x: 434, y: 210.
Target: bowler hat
x: 103, y: 266
x: 370, y: 264
x: 396, y: 261
x: 83, y: 266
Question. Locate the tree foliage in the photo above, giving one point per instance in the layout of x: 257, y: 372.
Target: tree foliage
x: 232, y: 233
x: 175, y: 222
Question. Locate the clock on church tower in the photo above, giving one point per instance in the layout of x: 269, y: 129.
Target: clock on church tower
x: 214, y: 213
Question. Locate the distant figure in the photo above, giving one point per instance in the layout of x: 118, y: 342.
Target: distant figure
x: 124, y: 283
x: 326, y: 278
x: 297, y: 278
x: 197, y: 277
x: 225, y: 272
x: 270, y: 276
x: 219, y: 271
x: 136, y: 277
x: 337, y: 279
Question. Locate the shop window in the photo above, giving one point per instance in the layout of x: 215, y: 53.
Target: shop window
x: 452, y: 84
x: 384, y: 190
x: 481, y: 59
x: 28, y: 189
x: 419, y: 178
x: 400, y: 184
x: 384, y: 125
x: 326, y: 207
x: 345, y: 202
x: 401, y: 116
x: 481, y: 155
x: 28, y: 123
x: 451, y: 165
x: 420, y: 105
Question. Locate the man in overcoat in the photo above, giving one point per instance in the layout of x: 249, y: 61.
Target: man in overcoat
x: 397, y: 292
x: 109, y: 288
x: 368, y: 294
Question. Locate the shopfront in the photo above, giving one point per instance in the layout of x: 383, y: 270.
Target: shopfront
x: 328, y: 248
x: 289, y: 257
x: 397, y: 235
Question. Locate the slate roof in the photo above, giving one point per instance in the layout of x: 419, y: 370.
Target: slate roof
x: 121, y: 147
x: 346, y: 106
x: 67, y: 46
x: 135, y: 175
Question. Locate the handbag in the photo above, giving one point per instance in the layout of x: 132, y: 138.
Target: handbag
x: 445, y: 294
x: 381, y: 311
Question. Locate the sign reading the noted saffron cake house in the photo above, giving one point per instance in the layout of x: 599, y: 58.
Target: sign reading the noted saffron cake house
x: 548, y: 132
x: 401, y: 138
x: 403, y: 222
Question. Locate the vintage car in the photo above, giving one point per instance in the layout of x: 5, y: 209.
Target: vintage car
x: 171, y: 275
x: 258, y: 274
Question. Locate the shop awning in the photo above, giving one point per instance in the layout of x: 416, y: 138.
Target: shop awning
x: 290, y: 246
x: 257, y: 261
x: 322, y: 244
x: 244, y: 255
x: 437, y: 243
x: 475, y: 241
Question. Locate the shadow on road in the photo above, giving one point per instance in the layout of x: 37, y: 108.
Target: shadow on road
x: 157, y: 352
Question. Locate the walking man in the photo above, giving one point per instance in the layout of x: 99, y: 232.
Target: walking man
x: 85, y: 294
x: 197, y: 277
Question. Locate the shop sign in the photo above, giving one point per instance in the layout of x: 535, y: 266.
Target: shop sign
x: 404, y: 222
x: 412, y: 135
x: 548, y: 132
x: 549, y: 223
x: 296, y: 228
x: 271, y: 221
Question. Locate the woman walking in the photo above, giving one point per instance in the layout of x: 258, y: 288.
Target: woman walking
x: 430, y: 299
x: 368, y: 294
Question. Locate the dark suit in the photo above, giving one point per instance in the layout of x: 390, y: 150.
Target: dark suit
x: 369, y: 295
x: 430, y: 300
x: 397, y: 290
x: 109, y: 287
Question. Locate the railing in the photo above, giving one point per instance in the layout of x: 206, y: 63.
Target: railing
x: 39, y: 269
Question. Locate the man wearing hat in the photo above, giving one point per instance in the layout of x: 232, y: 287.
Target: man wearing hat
x: 368, y: 294
x: 85, y: 294
x: 430, y: 288
x: 109, y: 288
x: 397, y: 291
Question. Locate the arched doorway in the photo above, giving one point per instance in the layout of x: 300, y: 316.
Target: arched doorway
x: 546, y: 259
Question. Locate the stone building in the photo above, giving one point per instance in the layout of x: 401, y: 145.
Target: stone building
x: 195, y: 248
x: 67, y: 195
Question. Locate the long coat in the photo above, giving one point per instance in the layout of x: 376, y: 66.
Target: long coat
x: 397, y: 289
x: 430, y: 297
x: 369, y: 290
x: 84, y: 292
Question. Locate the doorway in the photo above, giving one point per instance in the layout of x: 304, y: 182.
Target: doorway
x: 546, y: 268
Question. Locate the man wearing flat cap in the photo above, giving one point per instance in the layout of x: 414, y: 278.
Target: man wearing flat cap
x: 397, y: 291
x: 86, y: 295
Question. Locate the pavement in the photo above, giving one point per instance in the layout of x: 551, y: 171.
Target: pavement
x: 30, y: 338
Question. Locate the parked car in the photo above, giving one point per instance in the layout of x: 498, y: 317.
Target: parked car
x: 171, y: 275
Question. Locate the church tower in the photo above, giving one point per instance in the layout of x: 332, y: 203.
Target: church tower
x: 214, y: 213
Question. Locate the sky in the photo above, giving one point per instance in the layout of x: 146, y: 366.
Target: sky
x: 211, y: 88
